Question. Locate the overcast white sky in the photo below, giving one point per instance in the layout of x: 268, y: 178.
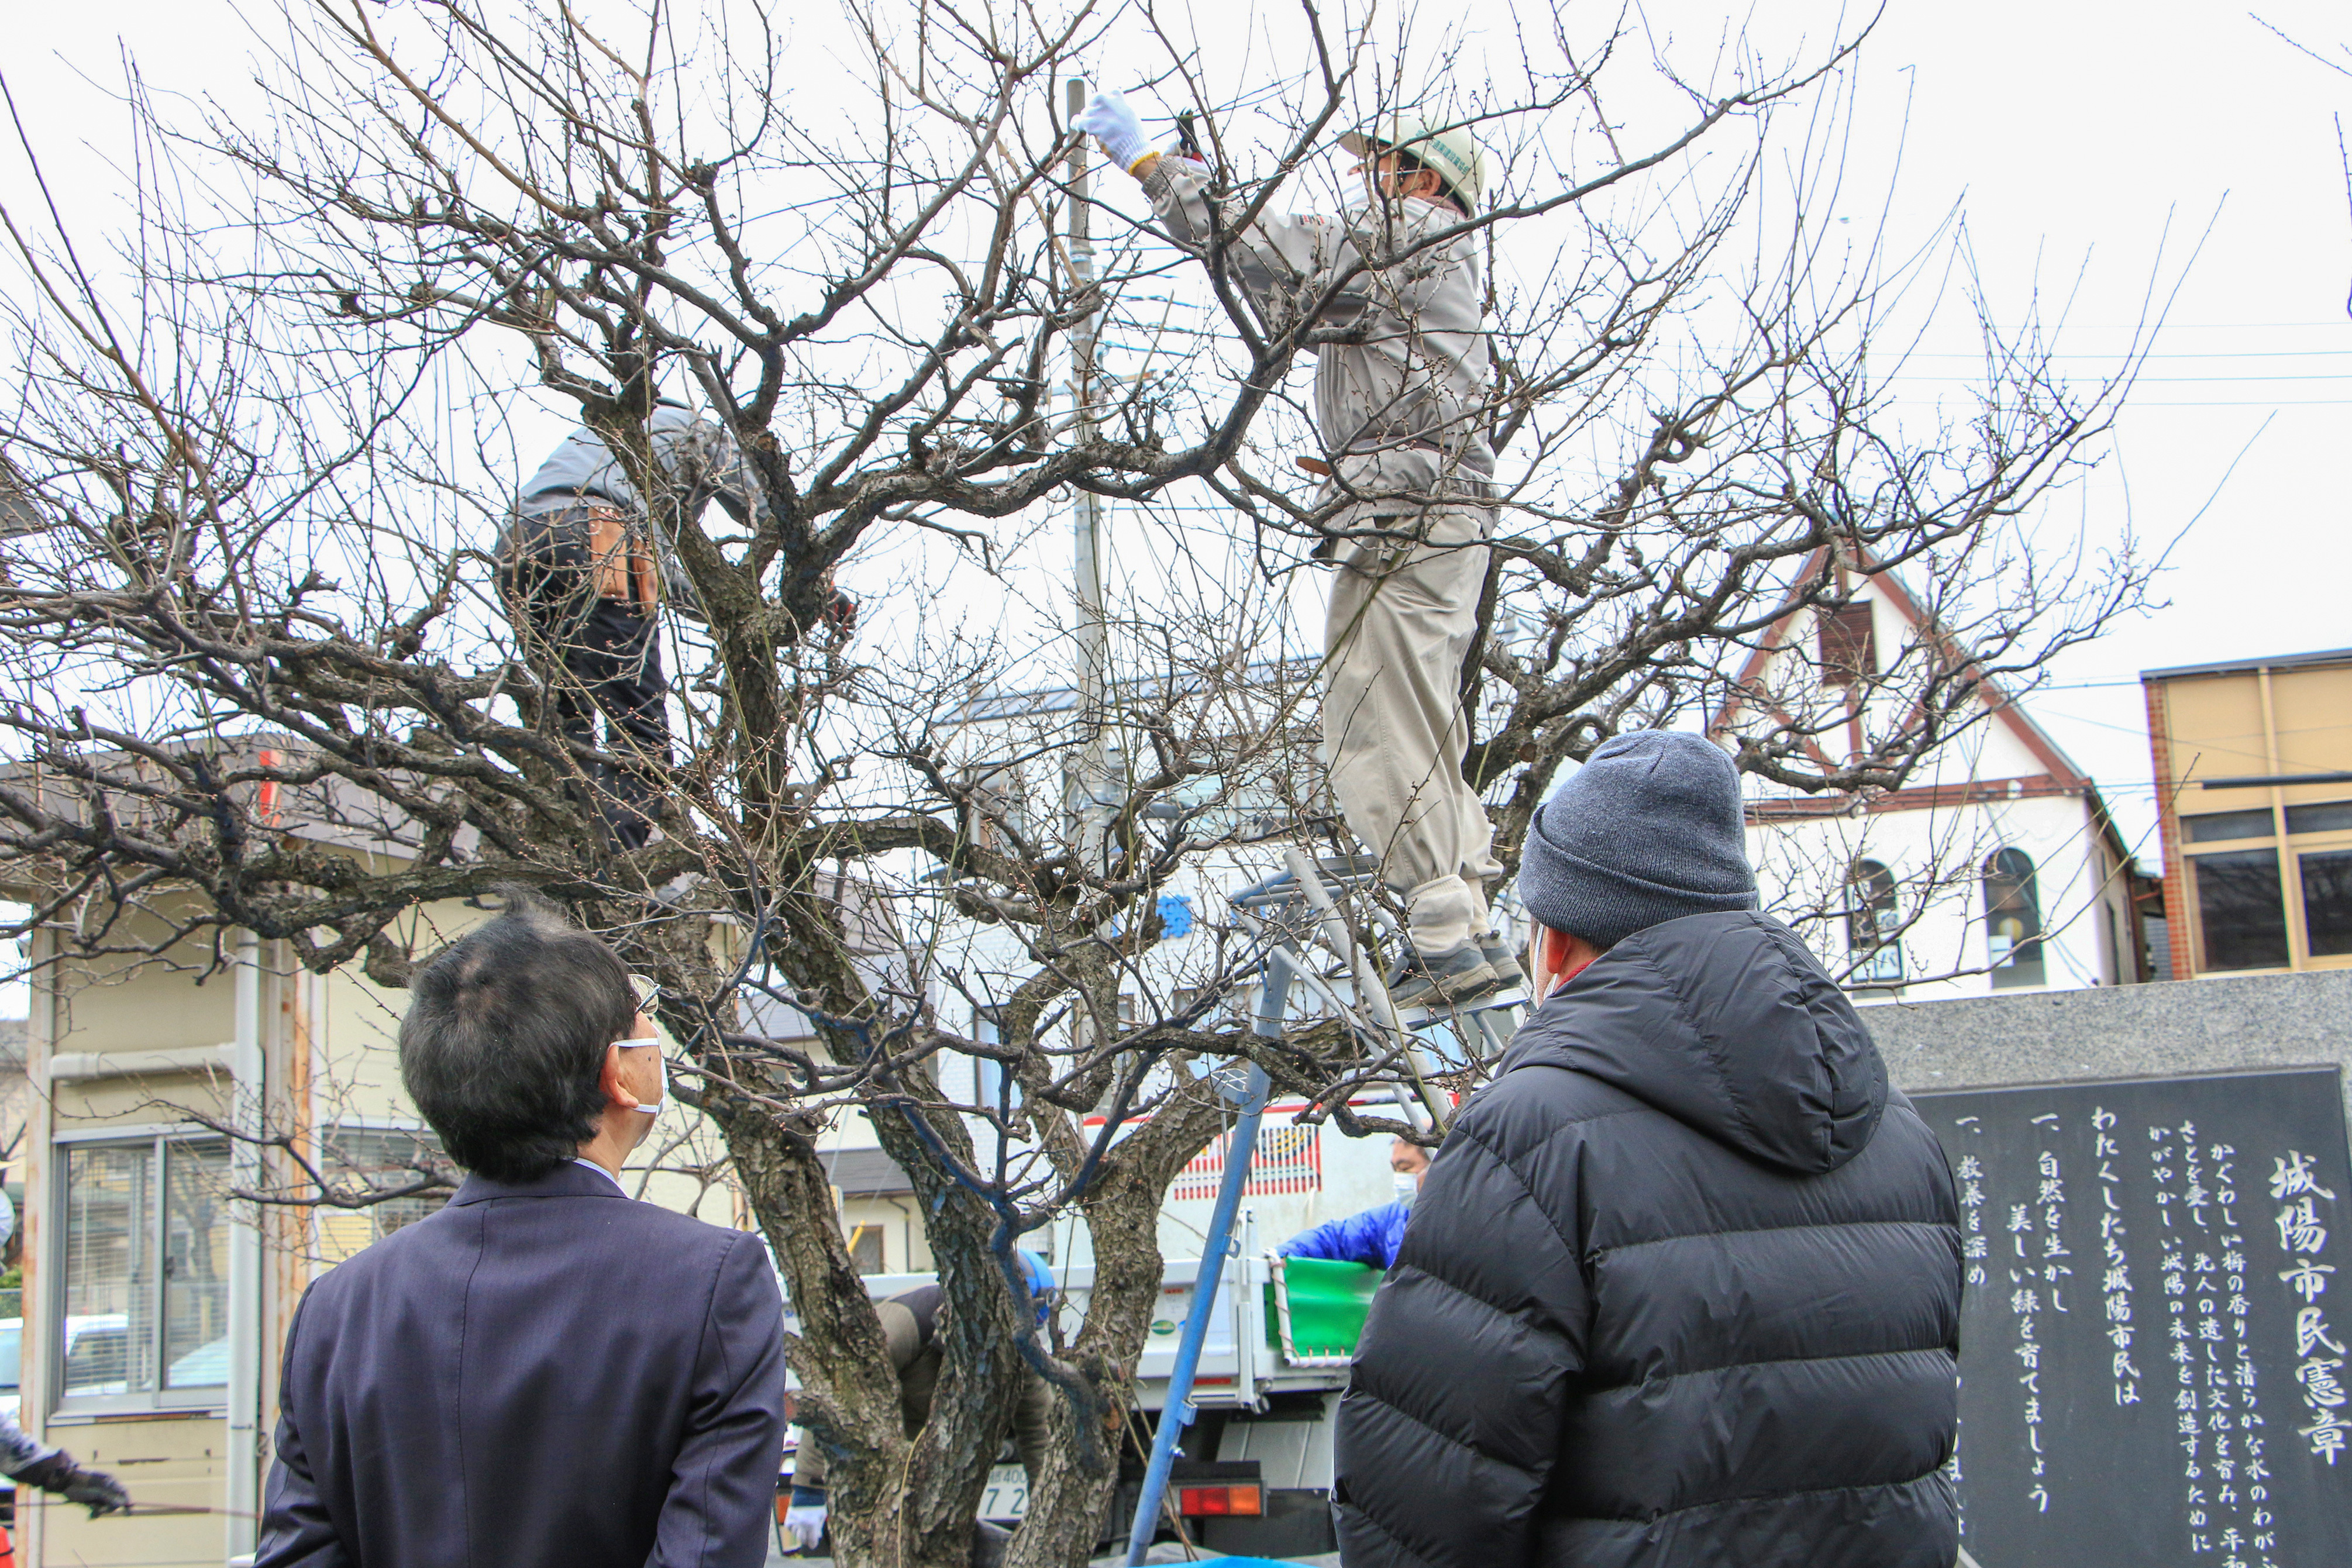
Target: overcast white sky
x: 2075, y: 136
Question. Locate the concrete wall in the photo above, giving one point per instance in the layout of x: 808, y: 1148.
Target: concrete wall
x: 2130, y: 1031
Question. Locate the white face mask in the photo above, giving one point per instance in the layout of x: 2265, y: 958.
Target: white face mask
x: 1408, y: 1187
x: 661, y: 1077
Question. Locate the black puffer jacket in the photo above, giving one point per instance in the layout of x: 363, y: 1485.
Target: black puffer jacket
x: 1682, y: 1290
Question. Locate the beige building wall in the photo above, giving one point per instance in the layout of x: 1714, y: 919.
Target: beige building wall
x: 2253, y: 775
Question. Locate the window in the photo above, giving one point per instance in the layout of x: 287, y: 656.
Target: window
x: 2221, y: 825
x: 2332, y: 817
x: 2246, y: 898
x: 363, y: 1159
x: 2013, y: 919
x: 1871, y: 919
x: 2240, y: 908
x: 144, y: 1288
x: 865, y: 1248
x: 1849, y: 644
x: 2327, y: 902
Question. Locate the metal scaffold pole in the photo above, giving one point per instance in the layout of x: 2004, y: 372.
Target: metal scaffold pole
x: 1177, y: 1414
x: 1083, y: 792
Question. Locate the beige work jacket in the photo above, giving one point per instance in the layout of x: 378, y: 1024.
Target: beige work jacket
x: 1401, y: 404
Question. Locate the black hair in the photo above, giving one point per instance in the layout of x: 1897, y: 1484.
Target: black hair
x: 503, y: 1046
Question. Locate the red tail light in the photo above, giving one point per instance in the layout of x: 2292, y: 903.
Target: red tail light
x: 1248, y: 1500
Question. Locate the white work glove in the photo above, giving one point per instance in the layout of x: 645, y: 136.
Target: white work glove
x: 1110, y: 122
x: 805, y: 1523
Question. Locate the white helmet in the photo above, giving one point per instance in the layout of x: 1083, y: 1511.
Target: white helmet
x: 1444, y: 148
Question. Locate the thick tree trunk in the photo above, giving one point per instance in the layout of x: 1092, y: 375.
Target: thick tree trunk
x: 902, y: 1500
x: 980, y: 1372
x: 1068, y: 1500
x: 848, y: 1398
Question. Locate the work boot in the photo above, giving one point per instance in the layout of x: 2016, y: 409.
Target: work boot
x: 1502, y: 960
x: 1455, y: 976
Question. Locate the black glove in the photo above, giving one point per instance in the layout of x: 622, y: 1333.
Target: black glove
x: 95, y: 1489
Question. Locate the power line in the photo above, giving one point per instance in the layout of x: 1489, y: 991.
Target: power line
x: 2144, y: 381
x: 2218, y: 354
x: 2175, y: 326
x: 2134, y: 405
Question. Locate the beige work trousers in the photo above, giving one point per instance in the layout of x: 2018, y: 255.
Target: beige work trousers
x: 1403, y: 607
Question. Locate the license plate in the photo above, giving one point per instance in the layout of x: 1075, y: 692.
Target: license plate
x: 1007, y: 1493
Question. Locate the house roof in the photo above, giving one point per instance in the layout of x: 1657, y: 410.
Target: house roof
x: 1001, y: 705
x: 2004, y: 709
x: 2062, y: 775
x: 2250, y: 666
x: 865, y: 1172
x: 328, y: 809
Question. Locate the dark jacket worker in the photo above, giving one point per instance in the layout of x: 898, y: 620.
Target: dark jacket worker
x: 546, y: 1373
x: 1683, y: 1287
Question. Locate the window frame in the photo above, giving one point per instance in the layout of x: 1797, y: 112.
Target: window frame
x: 1874, y: 925
x: 2292, y: 847
x: 2289, y: 848
x: 2012, y: 973
x: 2301, y: 854
x: 880, y: 1235
x: 1845, y: 643
x: 158, y: 1138
x: 329, y: 1132
x: 2191, y: 820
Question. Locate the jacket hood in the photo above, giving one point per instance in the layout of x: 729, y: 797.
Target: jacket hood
x: 1725, y: 1022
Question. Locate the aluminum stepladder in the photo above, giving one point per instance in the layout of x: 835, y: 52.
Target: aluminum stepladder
x: 1302, y: 907
x: 1298, y: 914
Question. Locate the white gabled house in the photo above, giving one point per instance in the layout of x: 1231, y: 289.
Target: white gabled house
x: 1996, y: 867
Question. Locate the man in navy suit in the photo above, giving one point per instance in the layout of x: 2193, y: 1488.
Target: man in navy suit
x: 545, y: 1373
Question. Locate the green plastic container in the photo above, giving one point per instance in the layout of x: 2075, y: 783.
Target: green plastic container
x: 1318, y: 1309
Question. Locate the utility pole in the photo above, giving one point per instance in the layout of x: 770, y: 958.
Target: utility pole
x: 1086, y: 786
x: 247, y: 1077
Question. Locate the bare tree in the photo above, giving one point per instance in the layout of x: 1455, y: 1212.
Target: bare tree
x: 258, y: 676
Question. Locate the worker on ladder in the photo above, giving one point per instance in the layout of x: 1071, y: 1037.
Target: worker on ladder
x: 1400, y: 405
x: 582, y: 576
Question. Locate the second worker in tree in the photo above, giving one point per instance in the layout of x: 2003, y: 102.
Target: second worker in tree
x: 1393, y: 297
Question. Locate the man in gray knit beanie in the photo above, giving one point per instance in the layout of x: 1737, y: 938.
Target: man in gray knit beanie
x: 1649, y: 830
x: 1687, y: 1253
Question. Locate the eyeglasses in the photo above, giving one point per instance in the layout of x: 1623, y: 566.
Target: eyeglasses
x: 646, y: 993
